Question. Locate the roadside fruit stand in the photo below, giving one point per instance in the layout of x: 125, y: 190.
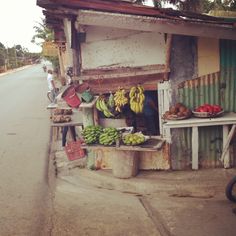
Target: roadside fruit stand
x: 124, y: 143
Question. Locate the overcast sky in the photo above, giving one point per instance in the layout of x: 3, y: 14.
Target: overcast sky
x: 17, y: 18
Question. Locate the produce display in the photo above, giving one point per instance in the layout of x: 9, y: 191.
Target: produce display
x: 60, y: 111
x: 61, y: 118
x: 104, y: 106
x: 177, y: 111
x: 91, y: 133
x: 133, y: 139
x: 208, y: 110
x: 108, y: 136
x: 137, y: 97
x: 120, y: 99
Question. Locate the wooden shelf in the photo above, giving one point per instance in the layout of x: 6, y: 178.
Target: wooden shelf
x: 152, y: 146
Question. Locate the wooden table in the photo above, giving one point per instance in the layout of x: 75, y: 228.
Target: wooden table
x: 226, y: 120
x: 75, y: 121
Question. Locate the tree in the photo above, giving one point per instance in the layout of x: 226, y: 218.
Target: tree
x: 2, y: 54
x: 42, y: 32
x: 199, y: 6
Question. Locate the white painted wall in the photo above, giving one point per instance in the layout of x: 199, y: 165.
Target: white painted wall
x: 112, y: 47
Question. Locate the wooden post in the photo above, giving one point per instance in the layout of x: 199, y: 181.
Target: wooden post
x: 227, y: 136
x: 168, y: 53
x: 194, y: 148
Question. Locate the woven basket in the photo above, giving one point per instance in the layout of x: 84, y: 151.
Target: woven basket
x: 207, y: 114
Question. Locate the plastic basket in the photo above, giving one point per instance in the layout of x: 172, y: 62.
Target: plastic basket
x: 74, y: 151
x: 71, y: 98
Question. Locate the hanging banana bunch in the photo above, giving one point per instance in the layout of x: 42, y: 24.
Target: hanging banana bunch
x: 102, y: 106
x: 137, y: 97
x: 111, y: 101
x: 120, y: 99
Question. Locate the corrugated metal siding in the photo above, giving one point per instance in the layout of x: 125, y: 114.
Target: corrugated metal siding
x: 228, y: 83
x: 228, y: 74
x: 217, y: 88
x: 193, y: 93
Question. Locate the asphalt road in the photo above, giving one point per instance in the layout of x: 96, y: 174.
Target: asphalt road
x: 24, y: 142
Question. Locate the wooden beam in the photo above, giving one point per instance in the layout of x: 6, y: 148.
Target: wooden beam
x: 154, y: 24
x: 112, y: 73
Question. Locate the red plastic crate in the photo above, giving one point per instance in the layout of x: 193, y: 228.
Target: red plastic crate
x: 74, y: 151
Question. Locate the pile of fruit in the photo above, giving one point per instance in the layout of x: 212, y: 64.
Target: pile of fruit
x: 137, y: 98
x: 108, y: 136
x: 208, y: 111
x: 91, y: 133
x: 133, y: 139
x: 177, y: 111
x: 213, y: 109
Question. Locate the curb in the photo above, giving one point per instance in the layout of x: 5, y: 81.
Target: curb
x: 14, y: 70
x: 180, y: 184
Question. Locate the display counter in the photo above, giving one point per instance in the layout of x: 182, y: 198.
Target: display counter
x: 226, y: 121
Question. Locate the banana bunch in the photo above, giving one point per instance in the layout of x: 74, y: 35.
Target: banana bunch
x: 91, y: 133
x: 102, y: 106
x: 108, y: 136
x: 111, y: 101
x: 120, y: 99
x: 137, y: 98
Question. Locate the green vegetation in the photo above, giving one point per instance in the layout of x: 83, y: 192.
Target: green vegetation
x: 15, y: 57
x: 200, y: 6
x: 45, y: 34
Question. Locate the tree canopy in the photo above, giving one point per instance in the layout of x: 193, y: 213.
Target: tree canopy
x: 42, y: 33
x: 200, y: 6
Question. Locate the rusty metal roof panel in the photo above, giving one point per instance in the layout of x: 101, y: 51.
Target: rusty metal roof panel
x: 135, y: 9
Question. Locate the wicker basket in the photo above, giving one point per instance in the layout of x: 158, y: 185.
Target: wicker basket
x: 207, y: 114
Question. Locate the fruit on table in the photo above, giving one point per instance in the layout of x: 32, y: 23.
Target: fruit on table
x: 213, y: 109
x: 108, y: 136
x: 133, y: 139
x: 176, y: 111
x: 137, y: 97
x: 91, y: 133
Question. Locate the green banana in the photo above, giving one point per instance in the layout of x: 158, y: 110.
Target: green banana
x: 98, y: 106
x: 111, y: 101
x: 107, y: 113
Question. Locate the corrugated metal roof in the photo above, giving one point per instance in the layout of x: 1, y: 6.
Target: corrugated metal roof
x: 135, y: 9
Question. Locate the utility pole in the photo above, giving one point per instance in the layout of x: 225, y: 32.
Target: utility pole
x: 15, y: 56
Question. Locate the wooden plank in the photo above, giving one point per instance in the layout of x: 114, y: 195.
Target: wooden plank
x: 154, y: 24
x: 121, y: 147
x: 195, y: 148
x: 168, y: 52
x: 226, y: 119
x: 73, y: 123
x: 225, y: 157
x: 121, y: 74
x: 149, y: 82
x: 122, y: 69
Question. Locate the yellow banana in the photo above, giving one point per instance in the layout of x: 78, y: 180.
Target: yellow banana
x: 132, y: 91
